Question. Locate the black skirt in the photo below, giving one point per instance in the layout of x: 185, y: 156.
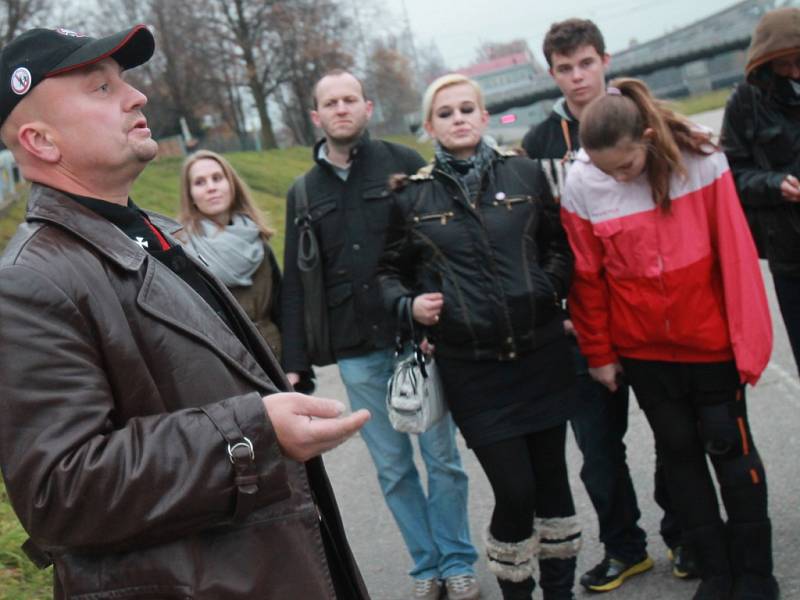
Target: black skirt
x: 494, y: 400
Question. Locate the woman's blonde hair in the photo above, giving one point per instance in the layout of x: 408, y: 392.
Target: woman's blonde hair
x: 446, y: 81
x: 628, y: 109
x: 242, y: 202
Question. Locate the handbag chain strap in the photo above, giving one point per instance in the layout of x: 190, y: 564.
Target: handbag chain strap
x: 404, y: 311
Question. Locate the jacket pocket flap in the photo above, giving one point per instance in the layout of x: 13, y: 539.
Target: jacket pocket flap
x: 323, y: 208
x: 375, y: 192
x: 339, y: 293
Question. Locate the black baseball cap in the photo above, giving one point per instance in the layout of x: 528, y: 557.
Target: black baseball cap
x: 40, y: 53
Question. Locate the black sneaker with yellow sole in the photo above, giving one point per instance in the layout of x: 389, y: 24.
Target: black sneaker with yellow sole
x: 612, y: 573
x: 683, y: 564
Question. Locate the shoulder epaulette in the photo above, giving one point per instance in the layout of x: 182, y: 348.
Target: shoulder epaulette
x: 507, y: 151
x: 424, y: 173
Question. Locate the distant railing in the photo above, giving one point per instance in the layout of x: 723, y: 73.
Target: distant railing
x: 10, y: 179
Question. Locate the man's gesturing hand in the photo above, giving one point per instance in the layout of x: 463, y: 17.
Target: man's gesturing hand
x: 307, y: 426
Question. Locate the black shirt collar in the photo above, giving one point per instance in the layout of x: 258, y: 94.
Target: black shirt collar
x: 130, y: 219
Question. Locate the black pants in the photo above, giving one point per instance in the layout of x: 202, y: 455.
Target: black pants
x: 699, y: 409
x: 787, y: 289
x: 599, y: 423
x: 528, y: 476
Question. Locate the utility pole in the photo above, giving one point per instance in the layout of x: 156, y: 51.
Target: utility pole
x: 409, y: 35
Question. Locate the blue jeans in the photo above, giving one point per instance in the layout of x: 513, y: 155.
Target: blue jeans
x: 435, y: 527
x: 599, y: 423
x: 787, y: 289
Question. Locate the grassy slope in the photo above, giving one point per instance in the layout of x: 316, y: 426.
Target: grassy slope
x: 702, y: 102
x: 269, y: 175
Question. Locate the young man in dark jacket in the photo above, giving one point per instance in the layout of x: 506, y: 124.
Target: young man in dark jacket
x: 348, y: 201
x: 147, y: 442
x: 761, y: 138
x: 575, y: 51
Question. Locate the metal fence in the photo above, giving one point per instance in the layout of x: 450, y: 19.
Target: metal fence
x: 10, y: 179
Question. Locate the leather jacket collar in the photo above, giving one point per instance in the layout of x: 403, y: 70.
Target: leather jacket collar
x: 53, y: 206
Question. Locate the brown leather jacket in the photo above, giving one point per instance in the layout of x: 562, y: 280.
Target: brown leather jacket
x: 121, y: 392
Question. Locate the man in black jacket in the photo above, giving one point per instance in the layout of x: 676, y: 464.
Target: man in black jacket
x: 761, y: 138
x: 575, y: 52
x: 348, y: 204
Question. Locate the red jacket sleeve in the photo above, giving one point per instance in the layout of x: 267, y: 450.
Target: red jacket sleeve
x: 746, y: 307
x: 589, y: 296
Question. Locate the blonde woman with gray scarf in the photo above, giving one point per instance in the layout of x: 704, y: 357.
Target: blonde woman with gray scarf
x: 224, y: 229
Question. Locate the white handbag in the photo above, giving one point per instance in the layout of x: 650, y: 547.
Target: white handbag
x: 414, y: 397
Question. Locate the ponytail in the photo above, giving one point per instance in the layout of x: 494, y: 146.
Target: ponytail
x: 628, y: 109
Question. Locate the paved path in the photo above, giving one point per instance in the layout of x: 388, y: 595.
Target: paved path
x: 775, y: 415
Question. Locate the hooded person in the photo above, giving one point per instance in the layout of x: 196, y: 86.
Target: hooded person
x: 761, y: 138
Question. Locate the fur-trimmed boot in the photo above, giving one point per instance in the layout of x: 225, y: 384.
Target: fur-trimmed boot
x: 710, y: 545
x: 751, y: 557
x: 559, y: 543
x: 512, y: 564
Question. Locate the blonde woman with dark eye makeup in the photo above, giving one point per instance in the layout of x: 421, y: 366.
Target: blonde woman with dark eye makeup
x: 476, y: 250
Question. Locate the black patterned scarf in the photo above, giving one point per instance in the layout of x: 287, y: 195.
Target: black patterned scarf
x: 468, y: 172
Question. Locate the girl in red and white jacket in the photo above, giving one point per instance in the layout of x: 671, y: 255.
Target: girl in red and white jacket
x: 668, y: 291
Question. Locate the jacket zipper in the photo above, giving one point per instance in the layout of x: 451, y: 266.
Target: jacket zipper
x: 442, y: 217
x: 474, y: 206
x: 510, y: 202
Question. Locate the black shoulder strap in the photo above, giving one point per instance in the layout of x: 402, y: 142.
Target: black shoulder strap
x: 750, y: 98
x: 301, y: 196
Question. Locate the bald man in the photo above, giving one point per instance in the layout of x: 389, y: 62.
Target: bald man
x: 148, y: 442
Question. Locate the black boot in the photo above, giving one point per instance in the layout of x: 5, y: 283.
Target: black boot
x: 557, y: 578
x: 559, y: 543
x: 710, y: 546
x: 517, y: 590
x: 751, y: 556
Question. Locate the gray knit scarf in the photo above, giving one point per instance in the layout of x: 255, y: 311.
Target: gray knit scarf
x: 234, y: 253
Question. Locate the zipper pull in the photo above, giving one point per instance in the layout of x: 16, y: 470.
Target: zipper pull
x: 203, y: 260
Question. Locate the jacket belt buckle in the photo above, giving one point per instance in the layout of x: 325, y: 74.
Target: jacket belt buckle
x: 246, y: 444
x: 302, y: 220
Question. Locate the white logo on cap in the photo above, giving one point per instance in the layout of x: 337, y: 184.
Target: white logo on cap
x: 69, y: 32
x: 20, y: 81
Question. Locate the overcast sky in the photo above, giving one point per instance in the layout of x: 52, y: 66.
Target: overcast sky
x: 460, y: 26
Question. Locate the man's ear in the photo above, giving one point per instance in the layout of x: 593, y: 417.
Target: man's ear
x: 37, y: 140
x: 315, y: 119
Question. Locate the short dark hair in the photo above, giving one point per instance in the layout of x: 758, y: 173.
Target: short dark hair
x: 567, y: 36
x: 334, y: 73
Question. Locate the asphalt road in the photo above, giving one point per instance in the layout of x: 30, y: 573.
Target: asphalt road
x: 774, y: 406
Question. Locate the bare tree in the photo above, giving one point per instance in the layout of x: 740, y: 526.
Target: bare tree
x: 431, y: 63
x: 318, y: 42
x: 253, y: 26
x: 390, y: 78
x: 18, y: 15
